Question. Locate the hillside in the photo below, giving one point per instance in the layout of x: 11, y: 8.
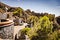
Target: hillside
x: 10, y: 9
x: 25, y: 14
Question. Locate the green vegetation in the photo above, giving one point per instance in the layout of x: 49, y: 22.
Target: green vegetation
x: 42, y: 29
x: 18, y: 12
x: 25, y: 30
x: 44, y: 26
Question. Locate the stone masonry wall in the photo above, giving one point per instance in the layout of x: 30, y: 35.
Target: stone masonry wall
x: 6, y: 32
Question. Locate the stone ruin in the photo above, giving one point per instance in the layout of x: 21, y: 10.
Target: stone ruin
x: 6, y: 27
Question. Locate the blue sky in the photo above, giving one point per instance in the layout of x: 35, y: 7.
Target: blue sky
x: 50, y: 6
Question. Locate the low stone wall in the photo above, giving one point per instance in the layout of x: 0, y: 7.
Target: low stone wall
x: 6, y: 31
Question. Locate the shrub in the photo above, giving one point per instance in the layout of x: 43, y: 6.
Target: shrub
x: 25, y: 30
x: 41, y: 29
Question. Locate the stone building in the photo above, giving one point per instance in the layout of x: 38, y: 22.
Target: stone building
x: 6, y: 29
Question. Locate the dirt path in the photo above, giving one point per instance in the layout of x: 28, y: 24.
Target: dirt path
x: 17, y: 28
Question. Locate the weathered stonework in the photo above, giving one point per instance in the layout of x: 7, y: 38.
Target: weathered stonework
x: 7, y: 30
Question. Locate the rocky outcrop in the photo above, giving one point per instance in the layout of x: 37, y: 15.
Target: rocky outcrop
x: 58, y: 20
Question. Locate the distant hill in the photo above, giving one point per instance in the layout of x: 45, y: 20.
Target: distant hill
x: 3, y: 5
x: 10, y: 9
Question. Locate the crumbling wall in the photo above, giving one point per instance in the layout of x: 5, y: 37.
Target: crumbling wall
x: 6, y: 32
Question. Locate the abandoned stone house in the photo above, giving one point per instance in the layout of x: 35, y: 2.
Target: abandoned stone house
x: 6, y: 27
x: 9, y: 15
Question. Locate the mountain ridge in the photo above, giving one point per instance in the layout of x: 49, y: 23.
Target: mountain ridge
x: 10, y: 9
